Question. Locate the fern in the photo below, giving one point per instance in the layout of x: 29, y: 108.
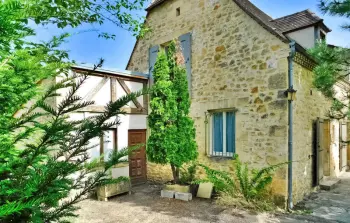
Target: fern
x: 221, y: 180
x: 244, y: 183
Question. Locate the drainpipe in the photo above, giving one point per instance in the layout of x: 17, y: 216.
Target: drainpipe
x: 290, y: 93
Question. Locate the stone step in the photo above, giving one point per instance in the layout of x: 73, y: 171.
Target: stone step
x: 329, y: 184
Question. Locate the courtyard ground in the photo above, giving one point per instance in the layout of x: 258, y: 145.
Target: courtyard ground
x: 145, y: 205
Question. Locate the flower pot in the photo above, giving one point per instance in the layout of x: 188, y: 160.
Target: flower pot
x: 104, y: 192
x: 177, y: 188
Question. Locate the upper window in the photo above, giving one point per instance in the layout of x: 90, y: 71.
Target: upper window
x: 178, y: 12
x: 223, y: 136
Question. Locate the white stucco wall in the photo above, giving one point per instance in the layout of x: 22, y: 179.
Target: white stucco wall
x: 305, y: 37
x: 101, y: 98
x: 129, y: 122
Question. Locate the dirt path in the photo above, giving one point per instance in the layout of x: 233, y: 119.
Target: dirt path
x: 145, y: 205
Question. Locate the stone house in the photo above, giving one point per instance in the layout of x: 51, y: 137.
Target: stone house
x: 241, y: 64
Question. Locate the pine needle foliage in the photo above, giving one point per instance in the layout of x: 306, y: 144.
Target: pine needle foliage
x: 172, y: 139
x: 38, y: 177
x: 336, y: 8
x: 44, y: 159
x: 333, y: 62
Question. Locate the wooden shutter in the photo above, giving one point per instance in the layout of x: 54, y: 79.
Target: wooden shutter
x: 230, y: 132
x: 153, y: 53
x: 218, y: 133
x: 185, y: 41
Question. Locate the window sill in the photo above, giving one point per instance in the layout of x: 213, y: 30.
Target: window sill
x: 221, y: 158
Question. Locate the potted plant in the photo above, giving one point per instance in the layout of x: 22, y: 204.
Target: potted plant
x: 118, y: 174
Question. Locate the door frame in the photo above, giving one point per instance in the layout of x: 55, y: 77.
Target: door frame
x: 145, y: 158
x: 342, y: 146
x: 321, y: 145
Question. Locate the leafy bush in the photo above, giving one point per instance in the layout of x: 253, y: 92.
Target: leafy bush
x: 188, y: 175
x: 254, y: 185
x: 244, y: 187
x: 221, y: 180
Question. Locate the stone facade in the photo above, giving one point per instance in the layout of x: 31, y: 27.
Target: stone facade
x: 310, y: 105
x: 236, y: 63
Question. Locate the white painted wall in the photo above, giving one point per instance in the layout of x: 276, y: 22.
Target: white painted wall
x: 129, y: 122
x: 102, y: 97
x: 304, y: 37
x: 133, y: 86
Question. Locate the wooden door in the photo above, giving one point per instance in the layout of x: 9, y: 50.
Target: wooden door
x: 326, y: 145
x: 137, y: 160
x: 321, y: 150
x: 342, y: 146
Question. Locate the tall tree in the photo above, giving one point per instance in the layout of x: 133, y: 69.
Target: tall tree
x: 172, y: 139
x: 42, y: 149
x: 333, y: 62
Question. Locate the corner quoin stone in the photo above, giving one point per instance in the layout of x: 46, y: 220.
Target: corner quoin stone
x: 167, y: 194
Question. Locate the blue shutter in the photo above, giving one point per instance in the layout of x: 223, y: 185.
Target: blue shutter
x: 153, y: 53
x: 185, y: 41
x: 218, y: 132
x: 230, y: 132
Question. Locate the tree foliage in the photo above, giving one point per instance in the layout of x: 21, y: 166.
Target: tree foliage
x: 336, y: 8
x: 333, y: 63
x: 44, y: 168
x: 172, y: 139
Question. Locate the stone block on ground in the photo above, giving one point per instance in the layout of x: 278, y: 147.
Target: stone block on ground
x: 167, y: 194
x: 329, y: 184
x: 205, y: 190
x: 183, y: 196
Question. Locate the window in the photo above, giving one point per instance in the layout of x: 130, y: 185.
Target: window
x: 178, y: 12
x: 222, y: 135
x: 108, y: 143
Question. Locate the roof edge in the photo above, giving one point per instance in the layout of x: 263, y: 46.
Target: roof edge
x: 153, y: 5
x: 126, y: 73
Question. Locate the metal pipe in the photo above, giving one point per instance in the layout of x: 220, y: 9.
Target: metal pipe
x: 290, y: 124
x: 206, y: 132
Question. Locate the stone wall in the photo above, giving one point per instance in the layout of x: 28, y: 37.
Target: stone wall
x: 235, y: 63
x: 309, y: 105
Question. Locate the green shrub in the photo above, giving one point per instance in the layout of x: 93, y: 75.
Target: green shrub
x: 188, y: 175
x: 222, y: 181
x: 245, y: 187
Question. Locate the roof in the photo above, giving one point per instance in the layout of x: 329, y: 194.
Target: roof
x: 111, y: 72
x: 297, y: 21
x: 260, y: 17
x: 277, y: 27
x: 154, y: 4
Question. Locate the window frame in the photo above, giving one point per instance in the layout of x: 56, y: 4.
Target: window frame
x: 224, y: 152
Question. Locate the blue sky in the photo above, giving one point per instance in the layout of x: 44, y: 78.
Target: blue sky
x: 86, y: 47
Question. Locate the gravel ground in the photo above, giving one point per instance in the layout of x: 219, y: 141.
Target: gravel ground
x: 145, y: 205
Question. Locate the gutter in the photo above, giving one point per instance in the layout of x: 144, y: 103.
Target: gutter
x: 290, y: 92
